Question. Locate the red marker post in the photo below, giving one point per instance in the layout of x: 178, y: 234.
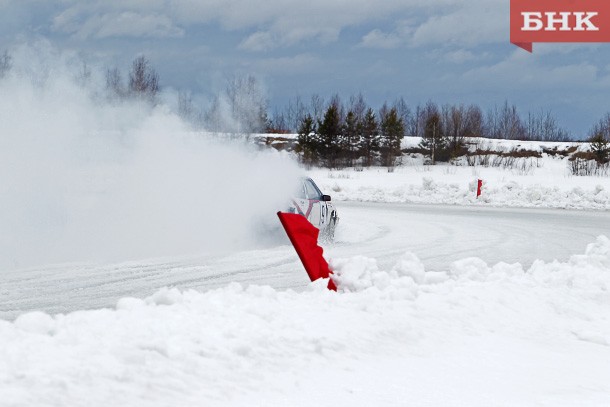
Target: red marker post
x: 558, y: 21
x: 479, y: 186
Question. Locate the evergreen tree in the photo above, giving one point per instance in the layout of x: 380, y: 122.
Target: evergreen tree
x: 350, y: 138
x: 329, y: 136
x: 434, y: 141
x: 307, y: 140
x: 600, y: 146
x: 392, y: 133
x: 369, y: 140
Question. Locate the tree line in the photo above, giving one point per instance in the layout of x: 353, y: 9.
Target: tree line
x: 343, y: 134
x: 340, y: 132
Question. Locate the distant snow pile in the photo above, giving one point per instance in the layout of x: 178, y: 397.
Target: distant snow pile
x: 474, y: 335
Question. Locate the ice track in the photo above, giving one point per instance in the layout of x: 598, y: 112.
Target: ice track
x: 438, y: 235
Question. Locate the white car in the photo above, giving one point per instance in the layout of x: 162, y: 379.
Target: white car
x: 316, y: 207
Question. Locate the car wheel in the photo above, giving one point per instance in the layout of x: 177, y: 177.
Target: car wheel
x: 330, y: 231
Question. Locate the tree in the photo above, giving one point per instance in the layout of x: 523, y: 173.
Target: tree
x: 114, y: 84
x: 417, y: 122
x: 316, y: 107
x: 247, y: 104
x: 307, y: 141
x: 433, y: 140
x: 329, y: 132
x: 216, y: 116
x: 278, y: 124
x: 83, y: 76
x: 392, y: 133
x: 543, y: 126
x: 350, y: 138
x: 404, y: 112
x: 599, y: 139
x: 186, y: 108
x: 369, y: 139
x: 460, y: 122
x: 505, y: 123
x: 143, y: 80
x: 6, y: 63
x: 295, y: 113
x: 600, y: 147
x: 358, y: 106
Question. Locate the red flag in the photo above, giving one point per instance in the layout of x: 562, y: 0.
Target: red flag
x: 304, y: 237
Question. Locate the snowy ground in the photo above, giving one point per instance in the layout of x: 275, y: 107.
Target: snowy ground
x: 533, y: 182
x: 502, y: 300
x: 438, y: 235
x: 448, y: 329
x: 472, y: 335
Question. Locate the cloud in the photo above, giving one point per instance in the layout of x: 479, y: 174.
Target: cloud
x: 378, y: 39
x: 259, y: 41
x: 279, y: 23
x: 534, y: 73
x: 474, y: 23
x: 460, y: 56
x: 123, y: 24
x: 302, y: 63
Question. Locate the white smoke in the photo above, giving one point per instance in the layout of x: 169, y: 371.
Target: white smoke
x: 83, y: 179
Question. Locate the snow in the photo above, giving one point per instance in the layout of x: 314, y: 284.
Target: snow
x: 472, y: 335
x: 417, y: 320
x: 532, y: 183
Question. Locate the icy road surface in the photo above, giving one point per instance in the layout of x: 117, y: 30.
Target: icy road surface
x: 438, y: 235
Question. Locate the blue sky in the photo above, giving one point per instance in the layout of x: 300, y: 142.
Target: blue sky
x: 449, y: 51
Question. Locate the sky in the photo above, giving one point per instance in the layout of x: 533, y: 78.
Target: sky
x: 447, y: 51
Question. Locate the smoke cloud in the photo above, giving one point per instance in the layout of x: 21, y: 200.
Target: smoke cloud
x: 83, y: 178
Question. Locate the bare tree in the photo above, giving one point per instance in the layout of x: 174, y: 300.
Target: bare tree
x: 505, y: 123
x: 602, y: 127
x: 295, y: 112
x: 543, y: 126
x: 474, y: 121
x: 278, y: 123
x: 317, y: 107
x: 143, y: 80
x: 114, y: 84
x: 216, y: 116
x: 247, y: 104
x: 416, y: 124
x: 186, y: 108
x: 358, y: 106
x: 404, y: 112
x: 83, y: 77
x: 6, y: 63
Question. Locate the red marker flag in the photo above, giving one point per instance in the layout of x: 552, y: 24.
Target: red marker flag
x: 304, y: 237
x: 558, y: 21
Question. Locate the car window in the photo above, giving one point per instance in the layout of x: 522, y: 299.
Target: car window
x: 300, y: 192
x: 312, y: 190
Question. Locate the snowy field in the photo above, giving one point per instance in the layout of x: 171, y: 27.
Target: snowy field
x: 542, y: 182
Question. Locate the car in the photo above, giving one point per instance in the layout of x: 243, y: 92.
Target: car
x: 310, y: 202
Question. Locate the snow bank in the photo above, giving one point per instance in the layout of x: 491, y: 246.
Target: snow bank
x: 545, y: 187
x: 473, y: 335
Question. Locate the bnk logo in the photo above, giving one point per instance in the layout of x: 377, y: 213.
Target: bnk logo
x: 558, y: 21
